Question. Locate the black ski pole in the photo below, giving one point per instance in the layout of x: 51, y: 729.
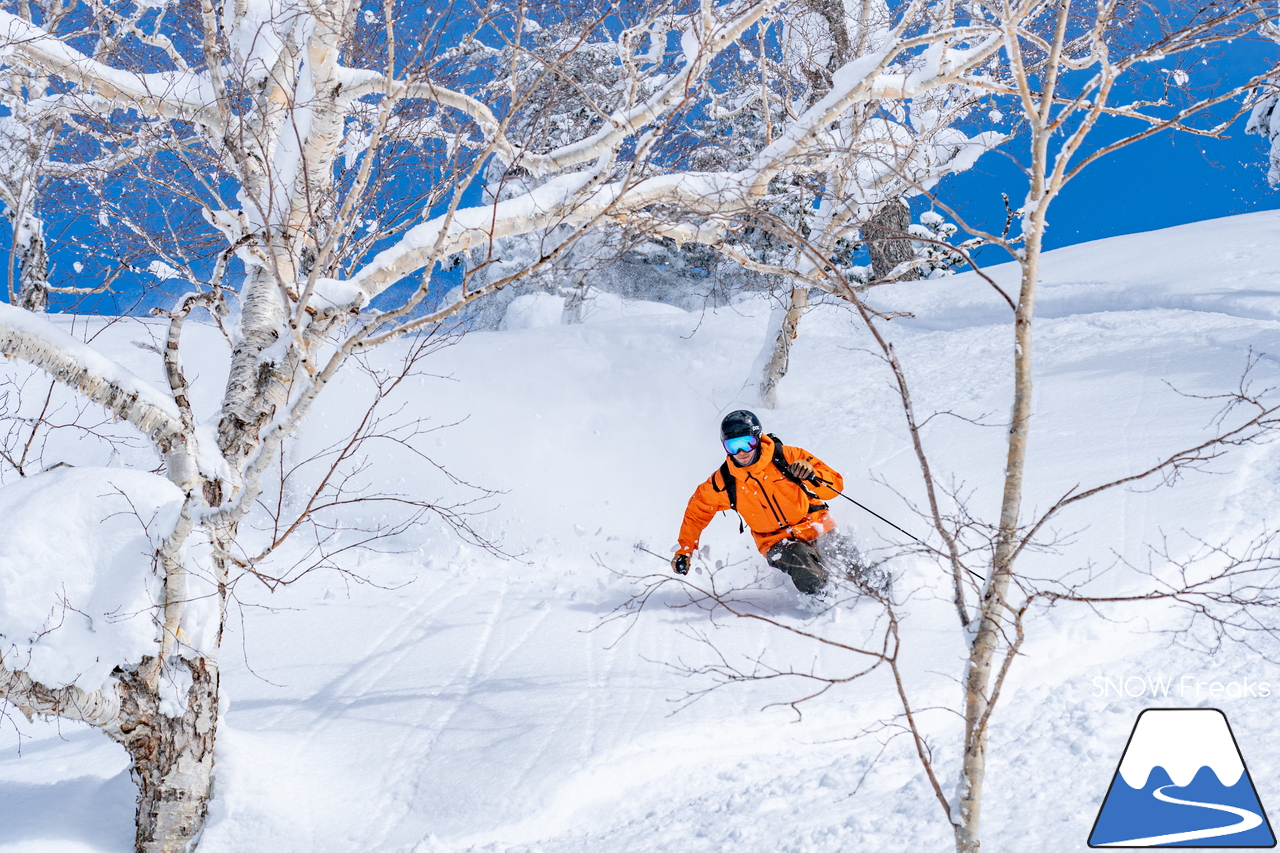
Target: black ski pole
x: 818, y: 479
x: 640, y: 546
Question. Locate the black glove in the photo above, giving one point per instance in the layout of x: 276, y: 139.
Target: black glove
x: 802, y: 470
x: 680, y: 563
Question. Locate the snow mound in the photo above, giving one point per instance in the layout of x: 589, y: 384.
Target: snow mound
x: 543, y: 310
x: 1228, y: 266
x: 533, y: 311
x: 77, y: 576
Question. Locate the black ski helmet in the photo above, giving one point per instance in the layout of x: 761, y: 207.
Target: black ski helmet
x: 739, y: 423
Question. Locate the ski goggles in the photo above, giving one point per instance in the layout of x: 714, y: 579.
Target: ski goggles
x: 741, y: 444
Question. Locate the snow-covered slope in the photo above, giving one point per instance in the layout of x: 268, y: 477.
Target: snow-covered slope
x: 465, y: 702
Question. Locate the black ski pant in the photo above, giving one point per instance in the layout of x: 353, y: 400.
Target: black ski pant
x: 810, y: 564
x: 802, y: 562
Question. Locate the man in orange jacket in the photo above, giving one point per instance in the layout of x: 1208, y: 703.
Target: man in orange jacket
x: 781, y: 497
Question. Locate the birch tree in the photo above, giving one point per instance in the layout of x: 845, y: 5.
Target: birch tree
x: 1264, y: 121
x: 309, y: 160
x: 1107, y: 47
x: 44, y: 155
x: 875, y: 153
x: 1073, y: 65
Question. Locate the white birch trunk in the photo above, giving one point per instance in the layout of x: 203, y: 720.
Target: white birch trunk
x: 575, y: 301
x: 993, y: 613
x: 33, y: 266
x: 172, y: 759
x: 783, y: 327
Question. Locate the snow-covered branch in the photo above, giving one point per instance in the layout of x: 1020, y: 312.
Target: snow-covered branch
x: 98, y: 708
x: 37, y: 341
x: 169, y: 94
x: 560, y: 200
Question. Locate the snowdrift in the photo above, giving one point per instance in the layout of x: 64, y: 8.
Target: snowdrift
x: 444, y: 698
x: 73, y: 570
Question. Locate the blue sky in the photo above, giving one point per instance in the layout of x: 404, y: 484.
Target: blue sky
x: 1170, y: 179
x: 1167, y: 180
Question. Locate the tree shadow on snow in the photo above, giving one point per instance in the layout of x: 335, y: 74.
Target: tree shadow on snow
x: 89, y: 810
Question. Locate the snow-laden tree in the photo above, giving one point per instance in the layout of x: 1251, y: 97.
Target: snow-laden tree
x: 853, y: 180
x: 239, y: 126
x: 302, y: 165
x: 29, y: 136
x: 1072, y: 66
x: 24, y: 141
x: 877, y: 155
x: 52, y: 160
x: 1264, y: 120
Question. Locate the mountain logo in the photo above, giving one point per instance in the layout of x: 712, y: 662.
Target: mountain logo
x: 1182, y: 783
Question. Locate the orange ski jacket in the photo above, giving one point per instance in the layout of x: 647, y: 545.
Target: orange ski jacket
x: 773, y: 506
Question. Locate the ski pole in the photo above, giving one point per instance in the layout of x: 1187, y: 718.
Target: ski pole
x: 818, y: 479
x: 639, y: 546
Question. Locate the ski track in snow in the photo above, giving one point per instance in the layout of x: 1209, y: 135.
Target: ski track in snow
x: 469, y: 704
x: 420, y: 738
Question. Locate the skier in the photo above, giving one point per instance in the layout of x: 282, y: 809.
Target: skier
x: 774, y: 490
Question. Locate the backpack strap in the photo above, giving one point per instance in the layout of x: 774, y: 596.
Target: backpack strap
x: 780, y: 462
x: 729, y: 486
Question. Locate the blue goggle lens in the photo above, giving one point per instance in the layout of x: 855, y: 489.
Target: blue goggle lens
x: 741, y: 443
